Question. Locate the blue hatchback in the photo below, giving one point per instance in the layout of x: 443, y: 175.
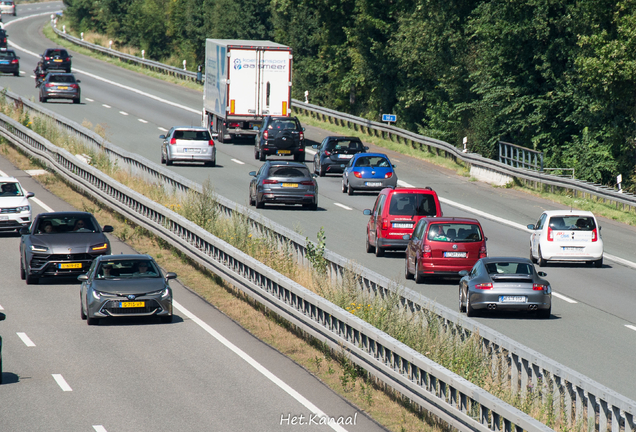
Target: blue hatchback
x: 368, y: 172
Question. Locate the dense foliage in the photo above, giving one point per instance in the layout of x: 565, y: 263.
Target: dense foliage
x: 552, y: 75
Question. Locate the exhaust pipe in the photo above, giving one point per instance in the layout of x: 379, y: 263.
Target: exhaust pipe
x: 533, y: 307
x: 492, y: 306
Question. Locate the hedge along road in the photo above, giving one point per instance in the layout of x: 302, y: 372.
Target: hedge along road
x: 592, y: 328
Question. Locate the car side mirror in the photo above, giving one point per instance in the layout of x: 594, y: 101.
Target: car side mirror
x: 162, y: 136
x: 393, y: 166
x: 107, y: 229
x: 78, y: 81
x: 171, y: 275
x: 530, y: 227
x: 252, y: 173
x: 24, y: 230
x: 314, y: 175
x: 406, y: 237
x: 366, y: 212
x: 463, y: 273
x: 30, y: 195
x: 82, y: 277
x: 542, y: 274
x: 366, y: 147
x: 342, y: 165
x: 2, y: 316
x: 303, y: 129
x: 314, y: 146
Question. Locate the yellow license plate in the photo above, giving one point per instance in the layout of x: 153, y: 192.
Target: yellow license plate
x: 71, y: 266
x: 290, y: 184
x: 62, y: 87
x: 57, y: 61
x: 132, y: 304
x: 284, y: 151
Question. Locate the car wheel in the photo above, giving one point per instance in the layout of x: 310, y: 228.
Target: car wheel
x: 542, y: 262
x: 462, y: 307
x: 168, y: 162
x: 251, y: 200
x: 370, y: 249
x: 68, y: 70
x: 418, y: 275
x: 92, y: 321
x: 299, y: 157
x: 322, y: 171
x: 166, y: 319
x: 470, y: 312
x: 163, y: 159
x: 262, y: 156
x: 407, y: 273
x: 82, y: 314
x: 22, y: 272
x: 32, y: 280
x: 598, y: 263
x: 257, y: 154
x: 40, y: 98
x: 544, y: 313
x: 344, y: 188
x: 349, y: 190
x: 379, y: 252
x: 532, y: 258
x: 259, y: 204
x: 16, y: 73
x: 76, y: 101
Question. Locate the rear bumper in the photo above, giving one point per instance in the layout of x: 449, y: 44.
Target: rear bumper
x: 392, y: 244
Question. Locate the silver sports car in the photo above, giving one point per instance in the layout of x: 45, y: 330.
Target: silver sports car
x: 125, y: 286
x: 504, y: 283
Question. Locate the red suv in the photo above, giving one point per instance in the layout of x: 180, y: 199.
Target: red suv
x: 395, y: 213
x: 443, y: 247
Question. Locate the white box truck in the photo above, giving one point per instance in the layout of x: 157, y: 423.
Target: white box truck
x: 244, y: 81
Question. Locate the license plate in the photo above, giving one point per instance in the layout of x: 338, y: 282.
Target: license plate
x: 344, y: 156
x: 57, y: 61
x: 4, y: 62
x: 4, y: 217
x: 454, y: 254
x: 132, y: 304
x: 284, y: 152
x: 62, y: 87
x: 71, y: 266
x: 512, y: 299
x: 290, y: 185
x: 192, y: 150
x: 373, y: 184
x: 571, y: 249
x: 402, y: 225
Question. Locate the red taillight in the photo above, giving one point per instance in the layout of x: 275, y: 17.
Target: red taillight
x: 538, y: 287
x: 550, y: 235
x: 327, y: 153
x: 594, y: 235
x: 49, y: 85
x: 14, y: 61
x: 270, y: 182
x: 67, y: 59
x: 482, y: 252
x: 426, y: 252
x: 173, y: 141
x: 211, y: 143
x: 484, y: 286
x: 47, y: 58
x: 385, y: 224
x: 234, y: 125
x: 73, y: 86
x: 308, y: 183
x: 302, y: 135
x: 388, y: 175
x: 357, y: 174
x: 265, y: 134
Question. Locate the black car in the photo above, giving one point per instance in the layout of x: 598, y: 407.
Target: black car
x: 9, y: 62
x: 56, y: 58
x: 3, y: 38
x: 283, y: 182
x: 60, y: 86
x: 334, y: 152
x: 61, y: 244
x: 2, y: 317
x: 281, y: 136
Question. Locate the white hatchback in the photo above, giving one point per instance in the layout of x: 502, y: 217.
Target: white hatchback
x: 562, y: 235
x: 15, y: 210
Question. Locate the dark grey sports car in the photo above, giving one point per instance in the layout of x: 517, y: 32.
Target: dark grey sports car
x: 61, y: 244
x: 125, y: 286
x: 504, y: 283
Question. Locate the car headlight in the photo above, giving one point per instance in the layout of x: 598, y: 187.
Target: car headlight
x: 99, y: 247
x: 38, y: 248
x: 23, y: 209
x: 164, y: 293
x: 96, y: 295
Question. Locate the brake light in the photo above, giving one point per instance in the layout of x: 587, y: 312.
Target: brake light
x: 482, y: 252
x: 308, y: 183
x: 67, y: 59
x: 357, y: 174
x: 302, y: 135
x: 49, y: 85
x: 270, y: 182
x: 73, y: 86
x: 265, y: 134
x: 426, y: 252
x: 211, y: 143
x: 484, y: 286
x: 388, y: 175
x: 14, y: 61
x: 235, y: 125
x: 385, y: 224
x: 173, y: 141
x: 550, y: 235
x: 594, y: 235
x: 538, y: 287
x: 47, y: 58
x: 327, y: 153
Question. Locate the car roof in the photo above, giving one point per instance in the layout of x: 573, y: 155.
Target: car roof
x: 359, y: 155
x: 125, y: 257
x: 287, y: 163
x: 339, y: 138
x: 9, y: 179
x: 66, y: 214
x: 570, y: 212
x: 198, y: 128
x: 405, y: 190
x: 454, y: 219
x: 505, y: 259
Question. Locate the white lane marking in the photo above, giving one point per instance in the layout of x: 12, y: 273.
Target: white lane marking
x: 562, y: 297
x: 404, y: 184
x: 32, y: 76
x: 89, y: 99
x: 123, y: 113
x: 631, y: 327
x: 27, y: 341
x: 143, y: 121
x: 238, y: 161
x: 41, y: 204
x: 343, y: 206
x: 163, y: 129
x: 249, y: 360
x: 106, y: 106
x: 1, y: 308
x: 311, y: 152
x: 99, y: 428
x: 3, y: 174
x: 484, y: 214
x: 61, y: 382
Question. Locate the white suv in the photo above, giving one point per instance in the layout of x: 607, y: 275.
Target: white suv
x: 15, y: 210
x: 7, y: 7
x: 563, y: 235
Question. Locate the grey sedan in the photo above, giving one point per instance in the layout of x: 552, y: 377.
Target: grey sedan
x: 282, y: 182
x: 504, y: 283
x: 60, y: 86
x: 125, y: 286
x: 188, y: 144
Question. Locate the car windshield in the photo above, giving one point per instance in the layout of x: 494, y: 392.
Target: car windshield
x: 411, y: 204
x: 454, y: 232
x: 572, y: 222
x: 10, y: 189
x: 509, y: 268
x: 6, y: 54
x: 127, y: 269
x: 287, y: 171
x: 62, y: 78
x: 202, y: 135
x: 64, y: 225
x: 372, y: 162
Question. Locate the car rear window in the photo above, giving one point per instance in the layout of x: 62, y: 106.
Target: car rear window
x: 57, y: 53
x: 284, y: 171
x: 372, y: 162
x: 454, y: 232
x: 572, y: 222
x: 344, y: 145
x: 509, y: 268
x: 192, y: 135
x: 412, y: 204
x: 62, y: 78
x: 283, y: 125
x: 7, y: 55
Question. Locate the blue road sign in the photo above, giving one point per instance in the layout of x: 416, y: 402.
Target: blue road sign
x: 389, y: 118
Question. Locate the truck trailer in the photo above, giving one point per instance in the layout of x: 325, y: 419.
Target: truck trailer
x: 245, y: 80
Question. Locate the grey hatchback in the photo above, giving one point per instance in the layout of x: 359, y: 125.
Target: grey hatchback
x: 282, y: 182
x: 188, y: 144
x: 57, y: 85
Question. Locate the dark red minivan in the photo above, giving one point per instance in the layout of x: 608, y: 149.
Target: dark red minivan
x: 395, y: 213
x: 443, y: 247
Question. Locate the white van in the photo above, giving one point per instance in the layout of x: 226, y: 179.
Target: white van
x: 7, y: 7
